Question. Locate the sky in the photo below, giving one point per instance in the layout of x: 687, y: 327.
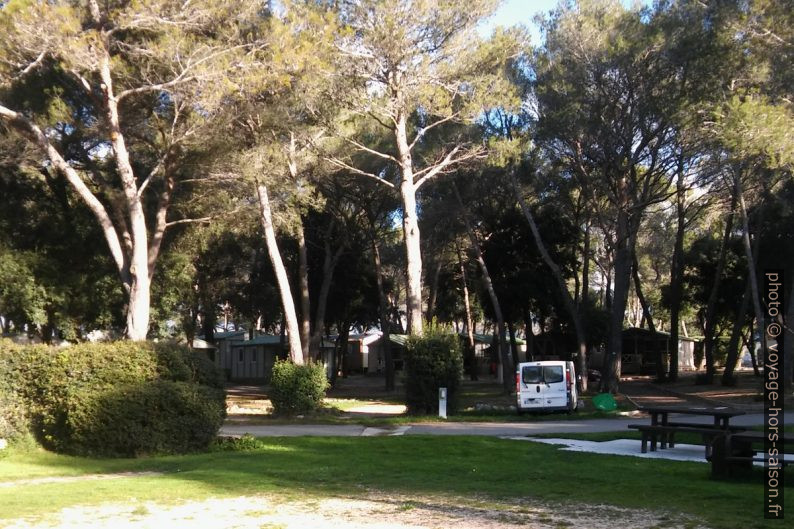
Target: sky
x: 514, y: 12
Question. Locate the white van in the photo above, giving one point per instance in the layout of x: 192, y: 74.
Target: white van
x: 546, y: 386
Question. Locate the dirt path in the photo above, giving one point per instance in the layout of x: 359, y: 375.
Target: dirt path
x: 373, y: 512
x: 70, y: 479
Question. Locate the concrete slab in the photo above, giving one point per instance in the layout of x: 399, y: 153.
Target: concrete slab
x: 624, y: 447
x: 293, y: 430
x: 630, y: 447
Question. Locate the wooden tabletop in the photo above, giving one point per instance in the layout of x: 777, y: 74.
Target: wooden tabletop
x: 723, y: 411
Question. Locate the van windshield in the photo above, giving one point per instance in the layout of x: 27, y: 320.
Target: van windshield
x: 541, y: 374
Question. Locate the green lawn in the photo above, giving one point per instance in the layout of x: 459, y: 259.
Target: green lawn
x: 465, y: 467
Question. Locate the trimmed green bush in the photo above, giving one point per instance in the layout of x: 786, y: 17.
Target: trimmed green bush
x: 181, y: 363
x: 13, y: 416
x: 432, y: 361
x: 297, y: 389
x: 156, y: 417
x: 116, y: 398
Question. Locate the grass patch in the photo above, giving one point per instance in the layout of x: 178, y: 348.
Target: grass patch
x: 488, y: 468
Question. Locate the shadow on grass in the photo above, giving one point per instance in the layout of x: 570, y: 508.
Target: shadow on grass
x: 487, y: 468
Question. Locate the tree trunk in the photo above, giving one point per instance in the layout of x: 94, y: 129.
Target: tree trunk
x: 570, y: 305
x: 530, y: 336
x: 711, y: 306
x: 341, y: 346
x: 749, y: 344
x: 751, y: 273
x: 736, y: 332
x: 303, y: 287
x: 329, y: 265
x: 661, y: 372
x: 334, y: 367
x: 586, y: 266
x: 413, y: 251
x: 507, y: 368
x: 383, y: 314
x: 431, y: 301
x: 133, y: 268
x: 470, y: 350
x: 290, y: 317
x: 138, y: 307
x: 677, y: 274
x: 625, y: 237
x: 513, y: 345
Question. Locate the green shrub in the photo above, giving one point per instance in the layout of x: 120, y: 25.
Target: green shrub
x: 297, y: 389
x: 181, y: 363
x: 432, y: 361
x: 13, y: 416
x: 157, y: 417
x: 116, y: 398
x: 237, y: 444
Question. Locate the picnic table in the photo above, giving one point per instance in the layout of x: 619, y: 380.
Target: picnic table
x: 736, y: 452
x: 663, y: 429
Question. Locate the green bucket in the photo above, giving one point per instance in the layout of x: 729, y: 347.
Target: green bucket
x: 605, y: 402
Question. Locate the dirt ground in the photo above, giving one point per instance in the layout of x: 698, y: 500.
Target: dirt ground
x: 374, y: 511
x: 245, y: 401
x: 746, y: 394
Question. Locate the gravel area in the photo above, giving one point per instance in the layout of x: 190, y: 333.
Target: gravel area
x: 372, y: 512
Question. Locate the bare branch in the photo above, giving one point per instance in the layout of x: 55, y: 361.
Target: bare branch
x: 380, y: 121
x: 436, y: 123
x: 32, y: 66
x: 449, y: 160
x: 339, y: 163
x: 202, y: 220
x: 183, y: 77
x: 82, y: 80
x: 364, y: 148
x: 156, y: 87
x: 205, y: 220
x: 151, y: 174
x: 35, y: 135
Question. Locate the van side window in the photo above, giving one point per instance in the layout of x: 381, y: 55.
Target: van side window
x: 552, y: 374
x: 532, y: 375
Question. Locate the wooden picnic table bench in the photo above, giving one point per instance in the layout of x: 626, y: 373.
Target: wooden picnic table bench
x: 663, y: 430
x: 665, y: 434
x: 735, y: 452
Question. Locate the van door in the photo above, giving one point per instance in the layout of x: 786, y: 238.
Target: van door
x: 556, y: 391
x: 532, y: 386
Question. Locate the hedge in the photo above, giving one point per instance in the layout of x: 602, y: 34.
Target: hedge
x: 116, y: 398
x: 153, y: 417
x: 432, y: 361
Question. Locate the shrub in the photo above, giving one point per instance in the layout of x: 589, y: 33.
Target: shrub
x: 13, y: 416
x: 157, y: 417
x: 181, y: 363
x: 237, y: 444
x: 297, y: 389
x: 432, y: 361
x: 116, y: 398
